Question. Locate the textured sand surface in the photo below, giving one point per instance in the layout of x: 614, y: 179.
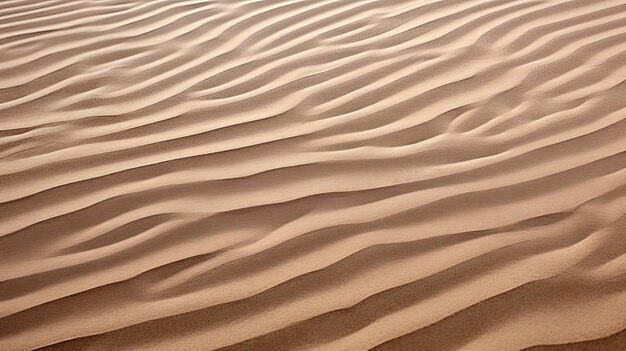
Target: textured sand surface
x: 313, y: 174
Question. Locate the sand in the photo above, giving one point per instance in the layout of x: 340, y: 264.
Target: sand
x: 313, y: 175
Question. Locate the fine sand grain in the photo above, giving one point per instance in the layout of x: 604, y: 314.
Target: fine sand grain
x: 313, y: 175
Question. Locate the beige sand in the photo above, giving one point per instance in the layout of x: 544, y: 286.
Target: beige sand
x: 313, y: 174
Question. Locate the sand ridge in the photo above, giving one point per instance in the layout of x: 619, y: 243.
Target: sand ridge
x: 323, y: 175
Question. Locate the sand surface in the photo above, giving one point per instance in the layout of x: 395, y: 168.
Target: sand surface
x: 313, y: 175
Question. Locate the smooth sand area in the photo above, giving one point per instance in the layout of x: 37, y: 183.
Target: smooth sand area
x: 313, y: 175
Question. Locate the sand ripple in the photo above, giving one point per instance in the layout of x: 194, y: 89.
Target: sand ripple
x: 300, y: 174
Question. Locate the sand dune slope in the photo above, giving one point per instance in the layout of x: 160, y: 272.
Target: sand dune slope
x: 313, y: 174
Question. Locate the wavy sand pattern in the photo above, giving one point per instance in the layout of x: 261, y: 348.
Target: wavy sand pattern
x: 313, y: 174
